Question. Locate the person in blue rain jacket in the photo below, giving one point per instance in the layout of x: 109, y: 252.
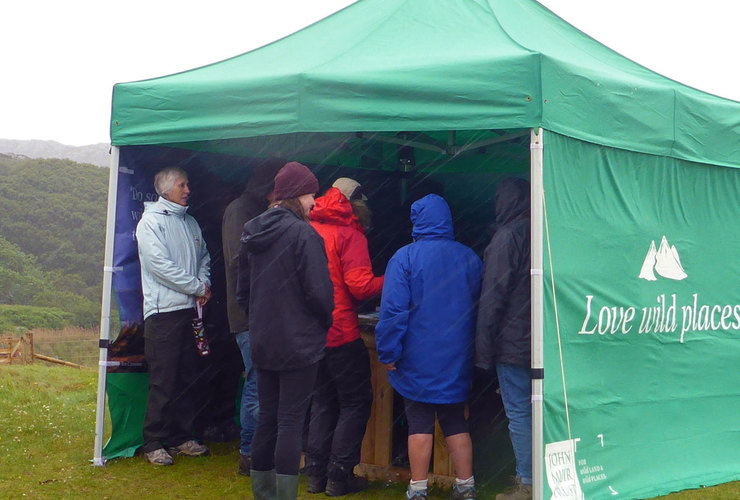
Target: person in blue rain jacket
x: 426, y: 335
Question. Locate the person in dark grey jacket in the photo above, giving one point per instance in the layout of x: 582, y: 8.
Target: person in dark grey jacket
x: 285, y: 287
x: 251, y: 203
x: 503, y: 329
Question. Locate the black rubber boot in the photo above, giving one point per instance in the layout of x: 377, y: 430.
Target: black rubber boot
x: 287, y: 486
x: 264, y: 485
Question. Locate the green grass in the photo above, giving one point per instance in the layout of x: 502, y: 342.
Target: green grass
x: 47, y: 430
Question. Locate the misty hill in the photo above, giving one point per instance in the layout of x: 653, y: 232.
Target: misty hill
x: 95, y: 154
x: 52, y: 234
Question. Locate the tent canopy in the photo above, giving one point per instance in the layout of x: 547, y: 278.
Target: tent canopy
x: 412, y: 65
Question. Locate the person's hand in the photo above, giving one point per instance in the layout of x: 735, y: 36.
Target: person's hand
x: 391, y: 367
x: 205, y: 297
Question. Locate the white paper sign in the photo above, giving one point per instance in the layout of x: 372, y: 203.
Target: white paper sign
x: 560, y: 465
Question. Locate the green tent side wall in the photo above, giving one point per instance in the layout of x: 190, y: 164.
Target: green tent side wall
x: 642, y: 320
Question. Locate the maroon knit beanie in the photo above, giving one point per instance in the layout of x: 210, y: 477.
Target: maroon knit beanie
x: 294, y: 180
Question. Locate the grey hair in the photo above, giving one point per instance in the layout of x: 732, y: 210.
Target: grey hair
x: 165, y: 179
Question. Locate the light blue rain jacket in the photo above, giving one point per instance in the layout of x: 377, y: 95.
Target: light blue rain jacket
x: 428, y: 309
x: 175, y: 264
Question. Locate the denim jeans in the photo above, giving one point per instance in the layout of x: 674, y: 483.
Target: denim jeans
x: 250, y: 407
x: 516, y: 390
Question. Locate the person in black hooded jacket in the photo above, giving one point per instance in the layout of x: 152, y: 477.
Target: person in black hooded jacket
x: 284, y: 285
x: 502, y: 340
x: 252, y: 202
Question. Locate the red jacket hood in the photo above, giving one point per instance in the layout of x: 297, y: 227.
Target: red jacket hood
x: 333, y: 208
x: 350, y: 267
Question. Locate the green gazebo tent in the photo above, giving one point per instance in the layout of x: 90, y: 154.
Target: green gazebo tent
x: 636, y: 319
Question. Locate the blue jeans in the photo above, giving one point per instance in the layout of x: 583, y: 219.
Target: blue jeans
x: 516, y: 391
x: 249, y: 411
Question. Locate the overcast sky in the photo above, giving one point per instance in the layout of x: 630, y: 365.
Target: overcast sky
x: 59, y: 60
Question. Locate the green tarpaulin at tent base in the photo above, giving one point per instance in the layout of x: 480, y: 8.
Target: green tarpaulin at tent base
x: 127, y: 393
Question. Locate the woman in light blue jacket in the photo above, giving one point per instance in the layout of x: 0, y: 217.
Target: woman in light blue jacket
x: 175, y: 263
x: 175, y: 273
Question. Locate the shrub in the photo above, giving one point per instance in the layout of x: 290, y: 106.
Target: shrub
x: 18, y: 319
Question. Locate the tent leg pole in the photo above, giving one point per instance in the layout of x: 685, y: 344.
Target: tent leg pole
x: 537, y: 193
x: 105, y: 306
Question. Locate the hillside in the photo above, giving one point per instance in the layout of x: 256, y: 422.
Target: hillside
x: 52, y: 232
x: 94, y: 154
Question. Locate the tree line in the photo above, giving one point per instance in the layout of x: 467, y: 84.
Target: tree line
x: 52, y: 236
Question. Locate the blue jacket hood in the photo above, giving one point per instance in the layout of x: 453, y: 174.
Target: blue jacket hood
x: 431, y: 218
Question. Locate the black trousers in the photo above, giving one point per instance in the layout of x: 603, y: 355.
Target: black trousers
x: 340, y: 409
x: 172, y: 358
x: 284, y: 397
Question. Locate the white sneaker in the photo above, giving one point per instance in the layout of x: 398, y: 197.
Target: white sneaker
x: 158, y: 457
x: 191, y: 448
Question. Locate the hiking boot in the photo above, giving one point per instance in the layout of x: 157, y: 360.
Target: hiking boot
x: 517, y: 492
x: 316, y: 475
x: 341, y: 487
x: 316, y: 484
x: 190, y: 448
x: 158, y: 457
x: 416, y: 494
x: 462, y: 493
x: 245, y: 464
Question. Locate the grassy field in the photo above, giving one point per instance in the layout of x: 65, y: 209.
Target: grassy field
x: 47, y: 421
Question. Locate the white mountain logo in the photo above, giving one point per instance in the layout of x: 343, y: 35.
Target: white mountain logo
x: 664, y: 261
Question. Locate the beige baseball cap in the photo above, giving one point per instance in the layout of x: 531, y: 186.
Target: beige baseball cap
x: 350, y: 188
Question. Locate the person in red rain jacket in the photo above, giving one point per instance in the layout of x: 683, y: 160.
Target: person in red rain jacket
x: 343, y: 393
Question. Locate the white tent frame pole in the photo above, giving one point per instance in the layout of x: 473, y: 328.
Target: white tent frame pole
x: 536, y: 149
x: 110, y: 226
